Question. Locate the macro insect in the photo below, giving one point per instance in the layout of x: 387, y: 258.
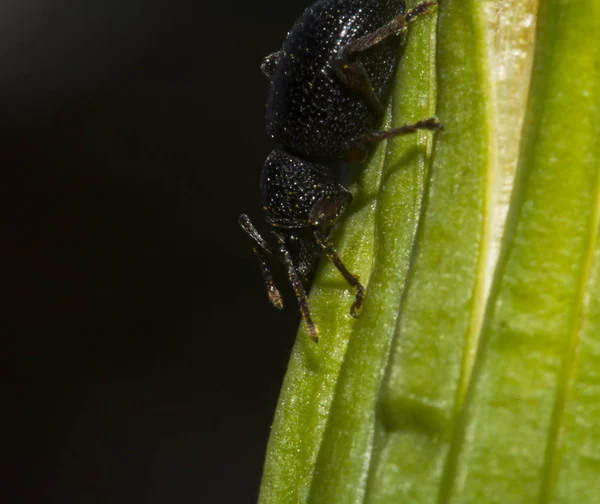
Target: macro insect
x: 330, y: 83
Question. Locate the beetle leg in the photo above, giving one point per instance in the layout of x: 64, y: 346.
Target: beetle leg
x: 324, y: 213
x: 397, y: 26
x: 292, y: 271
x: 419, y: 9
x: 353, y: 280
x: 261, y: 249
x: 354, y: 75
x: 356, y: 150
x: 351, y: 72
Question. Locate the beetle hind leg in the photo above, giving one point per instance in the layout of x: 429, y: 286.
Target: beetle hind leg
x: 348, y: 67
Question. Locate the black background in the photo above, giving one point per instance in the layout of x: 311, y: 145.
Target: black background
x: 142, y: 359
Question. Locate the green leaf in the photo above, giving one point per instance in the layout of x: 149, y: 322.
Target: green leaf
x: 471, y: 374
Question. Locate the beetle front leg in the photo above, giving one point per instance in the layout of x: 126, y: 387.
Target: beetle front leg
x: 324, y: 214
x: 261, y: 249
x: 295, y: 280
x: 353, y: 280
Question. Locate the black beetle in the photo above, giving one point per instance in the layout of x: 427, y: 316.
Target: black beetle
x: 329, y: 84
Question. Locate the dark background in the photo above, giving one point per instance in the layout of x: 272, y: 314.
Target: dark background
x: 142, y: 361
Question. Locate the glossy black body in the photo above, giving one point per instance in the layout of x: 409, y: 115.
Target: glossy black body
x: 309, y: 111
x: 329, y: 85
